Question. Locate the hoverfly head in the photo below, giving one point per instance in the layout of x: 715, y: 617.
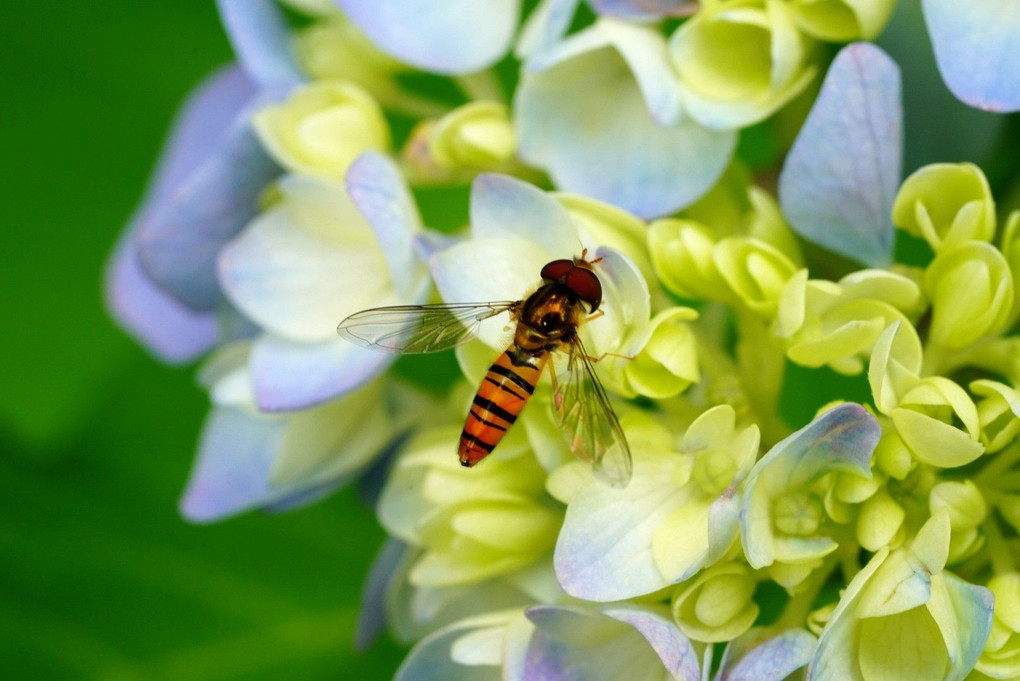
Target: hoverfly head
x: 576, y: 275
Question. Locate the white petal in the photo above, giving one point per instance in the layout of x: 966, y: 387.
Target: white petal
x: 445, y: 36
x: 584, y: 119
x: 505, y: 207
x: 303, y: 266
x: 604, y: 551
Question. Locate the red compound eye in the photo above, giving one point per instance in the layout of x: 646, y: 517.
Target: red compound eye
x: 556, y: 269
x: 585, y: 285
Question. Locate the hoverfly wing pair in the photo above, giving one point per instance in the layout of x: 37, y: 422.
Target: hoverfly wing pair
x: 582, y: 407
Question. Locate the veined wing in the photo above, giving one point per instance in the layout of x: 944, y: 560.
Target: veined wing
x: 588, y: 420
x: 419, y: 328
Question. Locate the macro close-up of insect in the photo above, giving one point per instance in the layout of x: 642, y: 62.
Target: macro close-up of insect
x: 547, y: 321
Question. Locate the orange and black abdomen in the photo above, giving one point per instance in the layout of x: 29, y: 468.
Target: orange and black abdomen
x: 505, y: 390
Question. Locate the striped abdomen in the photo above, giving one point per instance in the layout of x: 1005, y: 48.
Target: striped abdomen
x: 503, y: 393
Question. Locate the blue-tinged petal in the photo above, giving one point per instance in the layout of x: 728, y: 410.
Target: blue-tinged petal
x: 840, y: 178
x: 673, y: 648
x: 505, y: 207
x: 959, y: 132
x: 258, y: 32
x: 976, y: 47
x: 762, y: 655
x: 182, y: 227
x: 841, y: 439
x: 445, y: 36
x: 289, y: 375
x: 972, y: 609
x: 204, y: 119
x: 306, y: 263
x: 580, y: 643
x: 173, y: 332
x: 377, y: 188
x: 372, y: 614
x: 235, y: 456
x: 546, y: 24
x: 604, y: 551
x: 431, y: 658
x: 582, y: 116
x: 643, y: 9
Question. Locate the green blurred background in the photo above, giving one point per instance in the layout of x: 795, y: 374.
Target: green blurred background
x: 99, y: 577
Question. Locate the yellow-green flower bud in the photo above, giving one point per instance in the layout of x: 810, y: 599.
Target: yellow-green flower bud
x: 999, y: 413
x: 843, y: 20
x: 718, y: 604
x: 797, y: 514
x: 470, y: 525
x: 1001, y: 656
x: 322, y: 128
x: 682, y: 255
x: 892, y: 456
x: 668, y: 361
x: 755, y: 271
x: 476, y: 136
x: 947, y: 205
x: 925, y: 420
x: 966, y: 507
x: 879, y: 522
x: 971, y: 293
x: 739, y: 61
x: 838, y: 324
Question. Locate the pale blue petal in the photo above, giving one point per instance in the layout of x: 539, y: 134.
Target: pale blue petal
x: 647, y: 55
x: 959, y: 132
x: 604, y: 551
x: 289, y: 375
x: 182, y: 230
x: 643, y: 9
x: 753, y: 657
x: 203, y: 120
x: 173, y: 332
x: 584, y: 119
x: 669, y: 643
x: 841, y: 439
x: 973, y: 606
x: 372, y: 614
x: 430, y: 660
x: 231, y: 473
x: 546, y: 24
x: 841, y: 176
x: 572, y: 643
x: 258, y: 32
x: 444, y: 36
x: 977, y: 47
x: 505, y: 207
x: 378, y: 189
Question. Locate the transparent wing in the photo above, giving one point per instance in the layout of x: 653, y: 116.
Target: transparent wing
x: 419, y: 328
x: 588, y: 420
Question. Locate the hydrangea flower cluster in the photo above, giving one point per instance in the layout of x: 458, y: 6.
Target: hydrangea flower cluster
x: 772, y: 524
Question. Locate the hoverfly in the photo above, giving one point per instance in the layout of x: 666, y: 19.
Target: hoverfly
x: 547, y: 320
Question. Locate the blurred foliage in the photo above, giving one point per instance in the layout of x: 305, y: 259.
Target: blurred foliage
x: 99, y: 577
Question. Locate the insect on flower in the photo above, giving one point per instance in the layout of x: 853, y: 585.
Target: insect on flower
x: 547, y: 320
